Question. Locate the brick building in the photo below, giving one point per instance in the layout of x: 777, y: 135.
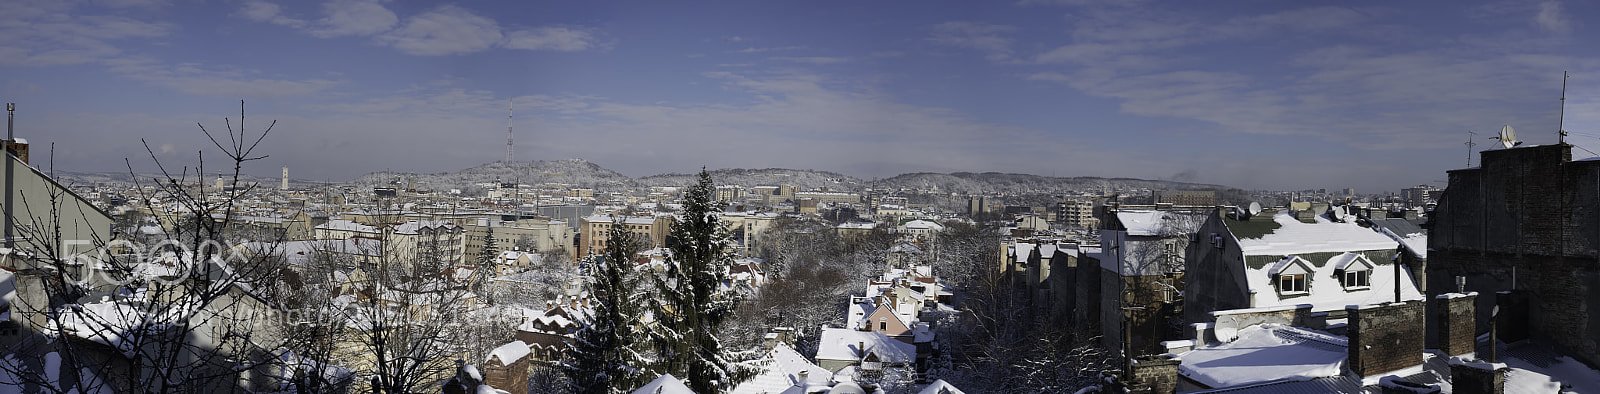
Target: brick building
x: 1526, y: 221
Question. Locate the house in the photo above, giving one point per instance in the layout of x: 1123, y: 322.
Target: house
x: 1272, y: 258
x: 1142, y: 276
x: 549, y: 333
x: 920, y: 230
x: 867, y: 350
x: 783, y: 368
x: 506, y: 367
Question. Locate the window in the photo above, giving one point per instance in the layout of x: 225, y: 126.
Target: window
x: 1289, y: 283
x: 883, y: 324
x: 1356, y: 278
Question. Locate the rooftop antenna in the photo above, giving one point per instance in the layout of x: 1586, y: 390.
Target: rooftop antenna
x: 1470, y: 144
x: 511, y: 112
x: 1561, y: 132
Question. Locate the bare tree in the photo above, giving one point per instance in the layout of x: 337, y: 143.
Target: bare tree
x: 188, y: 315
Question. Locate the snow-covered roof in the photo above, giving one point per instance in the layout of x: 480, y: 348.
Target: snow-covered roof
x: 1294, y: 237
x: 509, y: 353
x: 1158, y: 223
x: 1325, y: 290
x: 941, y: 387
x: 923, y: 225
x: 1413, y: 238
x: 844, y: 344
x: 1264, y: 353
x: 666, y: 384
x: 781, y: 369
x: 346, y: 225
x: 412, y: 227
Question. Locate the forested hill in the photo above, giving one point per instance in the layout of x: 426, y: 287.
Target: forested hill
x: 995, y: 182
x: 582, y: 173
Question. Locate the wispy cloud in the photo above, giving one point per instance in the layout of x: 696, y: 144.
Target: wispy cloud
x: 768, y: 49
x: 551, y: 38
x: 203, y: 81
x: 445, y: 30
x: 1552, y: 18
x: 46, y: 33
x: 819, y: 60
x: 973, y: 35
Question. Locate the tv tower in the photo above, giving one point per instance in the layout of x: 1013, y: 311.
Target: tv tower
x: 511, y: 112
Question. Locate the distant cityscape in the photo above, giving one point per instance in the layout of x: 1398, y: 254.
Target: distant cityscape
x: 481, y: 280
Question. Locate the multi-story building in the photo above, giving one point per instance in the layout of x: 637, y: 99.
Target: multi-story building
x: 1200, y: 198
x: 546, y: 235
x: 730, y: 193
x: 1077, y: 212
x: 594, y: 232
x: 1419, y: 195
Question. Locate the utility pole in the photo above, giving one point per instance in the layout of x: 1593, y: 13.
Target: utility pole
x: 1561, y: 131
x: 1470, y: 144
x: 11, y: 114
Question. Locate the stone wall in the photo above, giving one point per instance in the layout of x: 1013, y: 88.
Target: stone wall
x: 1384, y: 338
x: 1154, y: 375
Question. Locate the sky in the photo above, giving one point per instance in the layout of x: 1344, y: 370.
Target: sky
x: 1371, y: 95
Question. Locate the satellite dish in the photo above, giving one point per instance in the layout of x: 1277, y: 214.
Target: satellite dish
x: 1508, y: 137
x: 1255, y: 208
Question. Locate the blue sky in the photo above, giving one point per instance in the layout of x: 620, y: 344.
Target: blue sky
x: 1255, y: 94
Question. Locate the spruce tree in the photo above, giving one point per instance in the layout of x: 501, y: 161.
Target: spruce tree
x: 604, y: 359
x: 488, y: 265
x: 690, y: 306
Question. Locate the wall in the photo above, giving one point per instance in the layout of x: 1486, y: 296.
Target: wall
x: 1528, y: 219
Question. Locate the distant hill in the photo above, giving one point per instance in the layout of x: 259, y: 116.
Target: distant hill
x: 800, y: 179
x: 576, y: 172
x: 1003, y: 183
x: 581, y: 173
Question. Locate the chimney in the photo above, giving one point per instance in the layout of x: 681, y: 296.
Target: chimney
x: 19, y: 148
x: 861, y: 347
x: 1384, y: 338
x: 1457, y: 324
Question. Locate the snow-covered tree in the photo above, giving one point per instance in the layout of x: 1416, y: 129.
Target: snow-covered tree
x: 690, y: 306
x: 605, y: 357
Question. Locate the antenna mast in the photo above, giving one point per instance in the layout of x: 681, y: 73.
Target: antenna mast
x: 1470, y: 144
x: 511, y: 112
x: 1561, y: 132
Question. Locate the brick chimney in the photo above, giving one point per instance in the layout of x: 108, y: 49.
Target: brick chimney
x: 1457, y: 324
x: 1384, y: 338
x: 18, y: 148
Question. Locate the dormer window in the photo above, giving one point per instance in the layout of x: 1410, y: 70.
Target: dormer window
x: 1292, y: 283
x: 1354, y: 270
x: 1290, y: 275
x: 1356, y: 278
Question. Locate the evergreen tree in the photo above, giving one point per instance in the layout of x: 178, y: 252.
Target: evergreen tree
x: 604, y: 359
x: 690, y: 306
x: 488, y: 265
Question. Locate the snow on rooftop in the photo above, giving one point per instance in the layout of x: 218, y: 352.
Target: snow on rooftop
x: 781, y: 369
x: 666, y: 384
x: 843, y: 344
x: 940, y: 387
x: 1325, y: 290
x: 1295, y: 237
x: 509, y: 353
x: 1263, y: 353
